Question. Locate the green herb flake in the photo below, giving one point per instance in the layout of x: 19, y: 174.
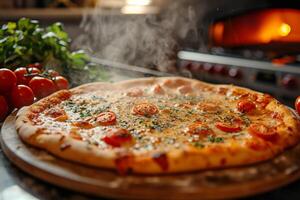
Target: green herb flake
x: 213, y: 139
x: 198, y: 145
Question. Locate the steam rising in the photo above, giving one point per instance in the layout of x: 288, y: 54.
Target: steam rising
x: 148, y: 41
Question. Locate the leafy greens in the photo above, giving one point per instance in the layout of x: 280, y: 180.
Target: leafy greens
x: 25, y: 41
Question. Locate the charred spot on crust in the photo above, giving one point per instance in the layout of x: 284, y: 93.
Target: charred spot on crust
x: 257, y: 145
x: 64, y: 146
x: 123, y: 164
x: 222, y: 90
x: 88, y: 145
x: 223, y: 161
x: 75, y: 135
x: 62, y: 138
x: 162, y: 160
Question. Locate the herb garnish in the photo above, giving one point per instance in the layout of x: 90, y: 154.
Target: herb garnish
x: 198, y: 145
x: 214, y: 139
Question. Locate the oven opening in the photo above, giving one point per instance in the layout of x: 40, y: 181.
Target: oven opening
x: 252, y: 47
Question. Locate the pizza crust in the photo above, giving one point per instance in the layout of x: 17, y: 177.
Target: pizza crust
x: 179, y: 160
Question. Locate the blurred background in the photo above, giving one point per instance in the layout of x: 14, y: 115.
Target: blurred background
x: 252, y: 43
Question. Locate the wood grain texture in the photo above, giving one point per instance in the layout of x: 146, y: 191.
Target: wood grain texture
x: 210, y: 184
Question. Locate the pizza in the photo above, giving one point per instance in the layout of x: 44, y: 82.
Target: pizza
x: 159, y: 125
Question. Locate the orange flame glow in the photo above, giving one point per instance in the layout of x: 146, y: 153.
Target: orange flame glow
x: 259, y: 27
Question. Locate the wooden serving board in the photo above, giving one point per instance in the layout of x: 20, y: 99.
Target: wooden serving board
x: 209, y: 184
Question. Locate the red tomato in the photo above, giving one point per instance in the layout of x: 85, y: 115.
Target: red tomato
x: 24, y: 75
x: 52, y: 73
x: 162, y: 160
x: 208, y: 107
x: 55, y: 112
x: 199, y: 128
x: 21, y: 79
x: 42, y: 87
x: 3, y: 108
x: 264, y: 100
x: 8, y: 80
x: 61, y: 82
x: 7, y: 96
x: 33, y: 71
x: 229, y: 128
x: 106, y: 118
x: 123, y: 164
x: 36, y: 65
x: 21, y: 96
x: 145, y: 109
x: 263, y: 132
x: 246, y: 106
x: 83, y: 124
x: 117, y: 137
x: 297, y: 105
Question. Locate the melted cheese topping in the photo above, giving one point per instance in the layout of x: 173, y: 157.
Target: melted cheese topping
x: 165, y: 130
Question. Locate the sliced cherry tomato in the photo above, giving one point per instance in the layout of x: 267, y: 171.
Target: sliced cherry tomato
x: 264, y: 100
x: 276, y: 115
x: 145, y: 109
x: 263, y: 132
x: 55, y: 112
x: 136, y: 92
x: 36, y: 65
x: 106, y: 118
x: 162, y: 160
x: 199, y: 128
x: 3, y: 108
x: 208, y: 107
x: 117, y: 137
x: 83, y: 124
x: 248, y: 96
x: 61, y: 82
x: 158, y: 89
x: 24, y: 75
x: 297, y: 105
x: 42, y: 87
x: 229, y: 128
x: 21, y: 96
x: 246, y: 106
x: 123, y: 164
x: 8, y: 80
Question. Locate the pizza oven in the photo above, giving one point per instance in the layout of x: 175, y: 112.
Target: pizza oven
x: 249, y: 43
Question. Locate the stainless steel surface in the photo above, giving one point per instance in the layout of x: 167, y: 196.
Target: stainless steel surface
x: 241, y: 62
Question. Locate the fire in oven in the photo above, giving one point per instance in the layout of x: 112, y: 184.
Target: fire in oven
x: 254, y: 47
